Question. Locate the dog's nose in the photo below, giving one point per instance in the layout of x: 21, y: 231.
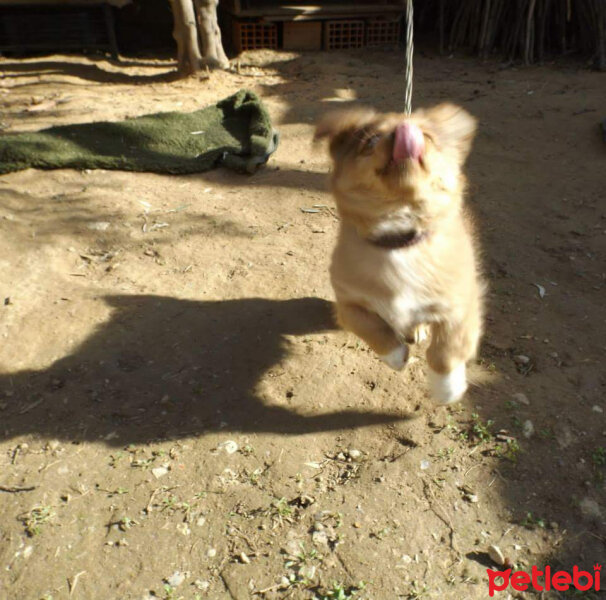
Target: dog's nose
x: 408, y: 142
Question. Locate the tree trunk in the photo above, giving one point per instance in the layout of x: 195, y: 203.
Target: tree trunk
x: 529, y: 43
x: 185, y: 33
x: 213, y: 54
x: 601, y: 9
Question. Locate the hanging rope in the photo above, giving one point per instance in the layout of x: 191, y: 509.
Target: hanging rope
x: 409, y: 48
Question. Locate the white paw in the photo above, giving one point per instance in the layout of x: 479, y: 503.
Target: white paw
x: 421, y: 334
x: 397, y: 358
x: 449, y: 388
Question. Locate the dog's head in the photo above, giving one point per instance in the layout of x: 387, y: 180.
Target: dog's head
x: 394, y: 171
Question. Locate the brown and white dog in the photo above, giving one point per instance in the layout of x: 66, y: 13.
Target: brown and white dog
x: 405, y: 255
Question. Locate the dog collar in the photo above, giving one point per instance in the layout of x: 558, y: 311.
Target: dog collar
x: 394, y: 241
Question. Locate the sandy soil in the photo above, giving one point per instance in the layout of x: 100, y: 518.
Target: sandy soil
x: 180, y: 419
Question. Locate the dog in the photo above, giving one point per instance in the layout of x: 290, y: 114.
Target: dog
x: 406, y: 256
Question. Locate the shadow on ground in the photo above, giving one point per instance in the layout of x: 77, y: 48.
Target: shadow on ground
x: 163, y: 368
x: 16, y: 69
x: 272, y: 175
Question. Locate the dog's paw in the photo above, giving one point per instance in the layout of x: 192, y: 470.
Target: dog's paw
x: 397, y: 358
x: 448, y: 388
x: 420, y: 334
x: 417, y: 335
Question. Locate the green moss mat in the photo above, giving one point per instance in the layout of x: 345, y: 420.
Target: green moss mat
x: 235, y: 133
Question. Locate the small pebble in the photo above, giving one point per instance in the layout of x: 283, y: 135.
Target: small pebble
x: 202, y: 585
x: 229, y: 446
x: 590, y: 508
x: 521, y: 359
x: 521, y: 398
x: 304, y: 501
x: 159, y: 472
x: 293, y: 547
x: 473, y: 498
x: 496, y: 555
x: 308, y: 572
x: 244, y: 558
x: 320, y: 538
x: 211, y: 553
x: 528, y: 428
x: 99, y: 226
x: 355, y: 455
x: 176, y: 579
x: 597, y: 409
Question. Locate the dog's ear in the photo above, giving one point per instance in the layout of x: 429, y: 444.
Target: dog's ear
x: 336, y: 122
x: 340, y: 126
x: 452, y: 128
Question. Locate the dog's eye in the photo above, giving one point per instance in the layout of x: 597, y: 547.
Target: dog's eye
x: 370, y: 143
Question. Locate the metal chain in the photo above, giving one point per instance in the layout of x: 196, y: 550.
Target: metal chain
x: 409, y: 49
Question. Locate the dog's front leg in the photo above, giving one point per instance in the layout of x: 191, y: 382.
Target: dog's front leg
x: 375, y: 332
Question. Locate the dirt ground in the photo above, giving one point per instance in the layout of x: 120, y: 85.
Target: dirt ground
x: 179, y: 417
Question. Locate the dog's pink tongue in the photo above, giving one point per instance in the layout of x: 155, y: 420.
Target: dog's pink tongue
x: 409, y: 142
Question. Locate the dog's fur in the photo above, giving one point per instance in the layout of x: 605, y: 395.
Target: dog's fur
x: 405, y: 255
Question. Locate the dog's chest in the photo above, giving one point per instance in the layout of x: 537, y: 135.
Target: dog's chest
x: 395, y: 284
x: 409, y: 301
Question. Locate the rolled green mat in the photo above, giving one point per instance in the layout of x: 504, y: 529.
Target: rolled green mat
x: 236, y: 133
